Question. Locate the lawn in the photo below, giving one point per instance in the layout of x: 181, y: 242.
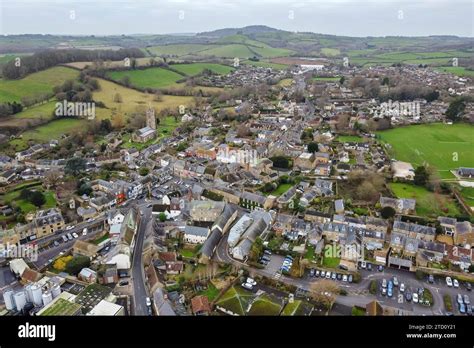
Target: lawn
x: 35, y: 84
x: 236, y: 300
x: 264, y: 305
x: 437, y: 144
x: 165, y: 129
x: 309, y: 253
x: 427, y: 203
x: 229, y: 51
x: 52, y: 130
x: 151, y: 77
x: 468, y: 194
x: 326, y: 78
x: 330, y: 52
x: 281, y: 189
x: 297, y: 308
x: 211, y: 292
x: 44, y: 111
x: 11, y: 198
x: 331, y: 262
x: 197, y: 68
x: 350, y: 139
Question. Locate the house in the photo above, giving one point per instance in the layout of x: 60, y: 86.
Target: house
x: 200, y: 305
x: 174, y: 267
x: 106, y: 308
x: 87, y: 275
x: 148, y: 132
x: 462, y: 257
x: 115, y: 218
x: 315, y: 216
x: 83, y: 248
x: 402, y: 170
x: 7, y: 176
x: 47, y: 222
x: 463, y: 234
x: 205, y: 211
x: 400, y: 205
x: 86, y: 213
x: 415, y: 231
x: 195, y: 234
x: 305, y: 161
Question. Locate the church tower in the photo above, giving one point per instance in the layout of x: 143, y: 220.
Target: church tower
x: 150, y: 118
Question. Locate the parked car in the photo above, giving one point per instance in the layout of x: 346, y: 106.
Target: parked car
x: 449, y: 282
x: 462, y: 308
x: 380, y: 268
x: 69, y: 228
x: 363, y: 265
x: 402, y: 287
x: 430, y: 279
x: 389, y: 291
x: 56, y: 243
x: 466, y: 300
x: 384, y: 283
x: 468, y: 309
x: 148, y: 302
x: 468, y: 286
x: 65, y: 239
x: 369, y: 267
x: 328, y: 275
x: 415, y: 297
x: 316, y: 274
x: 90, y: 220
x: 69, y: 236
x: 408, y: 296
x: 251, y: 281
x: 333, y: 276
x: 312, y: 272
x: 384, y: 291
x: 323, y: 274
x: 123, y: 282
x: 84, y: 232
x: 390, y: 284
x: 344, y: 278
x: 339, y: 276
x: 350, y: 278
x: 343, y: 267
x: 460, y: 299
x: 247, y: 286
x: 74, y: 234
x: 395, y: 281
x: 455, y: 283
x: 267, y: 252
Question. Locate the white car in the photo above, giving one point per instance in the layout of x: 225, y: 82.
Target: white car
x: 328, y: 275
x: 344, y: 278
x: 449, y: 282
x: 402, y: 287
x: 74, y: 234
x: 247, y: 286
x: 90, y: 220
x: 251, y: 281
x: 415, y: 297
x: 148, y: 302
x: 69, y: 228
x: 84, y: 232
x: 455, y: 283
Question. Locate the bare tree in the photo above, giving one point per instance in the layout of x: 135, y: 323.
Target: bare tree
x: 325, y: 292
x: 52, y: 178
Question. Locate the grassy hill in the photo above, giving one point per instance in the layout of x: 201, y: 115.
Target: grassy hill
x: 35, y: 84
x: 197, y: 68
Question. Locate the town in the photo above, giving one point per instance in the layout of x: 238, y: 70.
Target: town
x: 271, y: 183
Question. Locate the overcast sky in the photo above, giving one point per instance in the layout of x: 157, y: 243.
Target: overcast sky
x: 339, y: 17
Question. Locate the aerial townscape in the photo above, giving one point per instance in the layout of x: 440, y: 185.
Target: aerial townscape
x: 238, y: 172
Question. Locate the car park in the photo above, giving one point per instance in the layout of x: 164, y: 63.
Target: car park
x: 415, y: 297
x: 402, y: 287
x: 455, y: 283
x: 449, y: 282
x: 466, y: 300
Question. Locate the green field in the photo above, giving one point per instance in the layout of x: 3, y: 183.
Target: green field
x: 350, y: 138
x: 44, y: 111
x: 427, y: 203
x: 62, y: 307
x: 236, y: 300
x: 457, y: 70
x: 468, y: 194
x: 178, y: 49
x: 264, y: 305
x: 330, y: 52
x: 297, y: 308
x: 52, y: 130
x: 436, y: 144
x: 35, y: 84
x: 152, y: 77
x: 165, y: 128
x: 197, y: 68
x: 11, y: 198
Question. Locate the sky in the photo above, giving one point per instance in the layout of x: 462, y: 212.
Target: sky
x: 337, y: 17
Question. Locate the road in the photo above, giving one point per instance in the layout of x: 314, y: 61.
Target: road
x: 138, y: 274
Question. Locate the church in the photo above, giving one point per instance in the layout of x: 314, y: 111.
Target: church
x: 148, y: 132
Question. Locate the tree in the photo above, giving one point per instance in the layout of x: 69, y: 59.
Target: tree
x: 143, y: 171
x: 456, y: 109
x: 324, y: 292
x: 280, y: 162
x: 162, y: 217
x: 75, y: 265
x: 387, y: 212
x: 421, y: 176
x: 341, y: 80
x: 313, y: 147
x: 51, y: 178
x: 75, y: 166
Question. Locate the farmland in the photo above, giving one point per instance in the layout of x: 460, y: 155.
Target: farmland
x: 428, y: 203
x: 457, y: 70
x: 12, y: 198
x: 35, y: 84
x: 152, y: 77
x: 445, y: 147
x: 197, y: 68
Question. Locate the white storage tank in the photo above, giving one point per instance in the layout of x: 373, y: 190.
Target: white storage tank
x: 8, y: 299
x: 56, y: 290
x: 20, y: 300
x: 47, y: 297
x: 29, y: 293
x: 36, y: 294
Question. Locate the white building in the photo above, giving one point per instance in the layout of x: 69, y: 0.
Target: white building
x: 195, y: 235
